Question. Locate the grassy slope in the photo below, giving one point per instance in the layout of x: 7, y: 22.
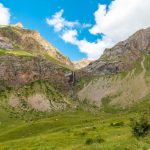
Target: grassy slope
x: 70, y: 129
x: 14, y: 52
x: 23, y: 111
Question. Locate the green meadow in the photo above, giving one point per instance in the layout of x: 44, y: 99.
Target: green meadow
x: 71, y: 130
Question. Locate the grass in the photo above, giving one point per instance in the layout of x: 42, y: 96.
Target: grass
x: 23, y: 93
x: 108, y: 129
x: 14, y: 52
x: 70, y: 130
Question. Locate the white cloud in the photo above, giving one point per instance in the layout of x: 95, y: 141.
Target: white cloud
x: 70, y: 36
x: 92, y: 49
x: 118, y: 22
x: 4, y: 15
x: 124, y: 17
x: 59, y: 23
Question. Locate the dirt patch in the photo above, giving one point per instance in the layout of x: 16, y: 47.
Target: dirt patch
x: 13, y: 101
x: 39, y: 102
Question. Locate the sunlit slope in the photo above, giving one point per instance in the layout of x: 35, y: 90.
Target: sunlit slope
x: 69, y: 131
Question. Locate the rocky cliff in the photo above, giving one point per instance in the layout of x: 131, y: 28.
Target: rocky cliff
x: 16, y: 71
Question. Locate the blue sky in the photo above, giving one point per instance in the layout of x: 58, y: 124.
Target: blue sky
x: 84, y: 22
x: 32, y: 14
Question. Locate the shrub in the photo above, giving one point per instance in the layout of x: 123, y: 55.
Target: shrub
x: 140, y: 127
x: 89, y: 141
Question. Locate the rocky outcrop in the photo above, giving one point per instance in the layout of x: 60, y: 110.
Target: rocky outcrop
x: 122, y: 55
x: 19, y: 25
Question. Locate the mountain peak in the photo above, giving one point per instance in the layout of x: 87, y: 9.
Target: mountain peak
x: 123, y: 54
x: 19, y: 25
x: 82, y: 63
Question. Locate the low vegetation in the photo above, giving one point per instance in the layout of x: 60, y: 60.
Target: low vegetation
x: 140, y: 127
x: 70, y: 130
x: 14, y: 52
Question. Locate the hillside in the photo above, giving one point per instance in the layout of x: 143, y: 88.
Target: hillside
x: 121, y: 73
x: 33, y: 74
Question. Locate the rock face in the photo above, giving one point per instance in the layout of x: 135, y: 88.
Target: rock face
x: 30, y: 41
x: 17, y: 71
x: 5, y: 43
x: 82, y: 63
x: 122, y: 55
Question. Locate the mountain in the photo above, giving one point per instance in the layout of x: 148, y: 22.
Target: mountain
x: 16, y: 37
x: 82, y: 63
x: 34, y: 75
x: 120, y: 77
x: 46, y: 104
x: 122, y: 55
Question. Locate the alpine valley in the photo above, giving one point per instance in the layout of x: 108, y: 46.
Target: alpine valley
x: 49, y: 103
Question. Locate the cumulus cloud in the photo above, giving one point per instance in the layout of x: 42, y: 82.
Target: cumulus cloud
x: 123, y: 18
x: 4, y: 15
x: 92, y: 49
x: 116, y: 22
x: 70, y: 36
x: 68, y: 31
x: 59, y: 23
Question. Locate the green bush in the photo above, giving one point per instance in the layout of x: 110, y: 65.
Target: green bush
x: 140, y: 127
x: 89, y: 141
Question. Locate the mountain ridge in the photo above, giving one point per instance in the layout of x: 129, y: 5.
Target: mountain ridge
x: 30, y: 41
x: 122, y: 55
